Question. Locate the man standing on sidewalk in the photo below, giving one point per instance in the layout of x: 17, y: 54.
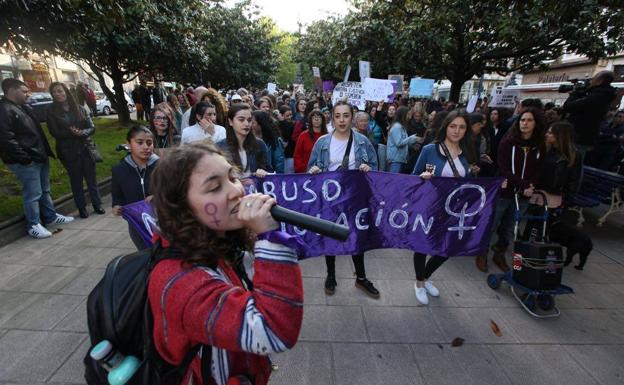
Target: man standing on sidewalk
x: 25, y: 150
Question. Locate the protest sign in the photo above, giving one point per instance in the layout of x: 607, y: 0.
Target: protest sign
x: 441, y: 216
x: 272, y: 88
x: 347, y: 73
x: 504, y: 98
x: 472, y: 103
x: 353, y: 91
x: 328, y: 86
x: 316, y: 72
x: 378, y: 89
x: 398, y: 82
x: 364, y: 70
x: 421, y: 87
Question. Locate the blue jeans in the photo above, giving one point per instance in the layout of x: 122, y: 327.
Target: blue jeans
x: 396, y: 167
x: 35, y: 182
x: 503, y: 224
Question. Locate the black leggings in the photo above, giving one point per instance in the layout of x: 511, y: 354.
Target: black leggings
x: 424, y: 269
x: 358, y: 261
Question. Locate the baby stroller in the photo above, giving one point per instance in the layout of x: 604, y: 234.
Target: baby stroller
x: 535, y: 278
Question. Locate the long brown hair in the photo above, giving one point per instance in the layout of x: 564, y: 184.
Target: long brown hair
x: 249, y: 144
x: 176, y: 221
x: 71, y: 101
x: 465, y: 143
x: 562, y: 131
x: 537, y: 138
x: 219, y: 103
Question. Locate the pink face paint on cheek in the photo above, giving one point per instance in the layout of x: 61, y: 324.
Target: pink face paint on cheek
x: 211, y: 210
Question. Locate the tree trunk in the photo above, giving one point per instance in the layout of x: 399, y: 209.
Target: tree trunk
x: 456, y: 85
x: 116, y: 95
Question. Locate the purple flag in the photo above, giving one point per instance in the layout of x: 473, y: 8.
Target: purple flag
x: 441, y: 216
x: 328, y: 86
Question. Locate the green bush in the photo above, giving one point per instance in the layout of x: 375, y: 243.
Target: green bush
x: 108, y: 134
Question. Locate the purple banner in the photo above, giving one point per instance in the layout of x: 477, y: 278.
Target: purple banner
x: 328, y: 86
x: 441, y: 216
x: 141, y: 215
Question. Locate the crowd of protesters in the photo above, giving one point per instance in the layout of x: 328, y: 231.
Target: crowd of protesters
x: 535, y: 148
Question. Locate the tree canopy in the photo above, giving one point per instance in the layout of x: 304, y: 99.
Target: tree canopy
x: 185, y: 40
x: 457, y: 39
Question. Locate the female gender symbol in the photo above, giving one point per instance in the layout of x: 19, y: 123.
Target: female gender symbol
x: 211, y: 210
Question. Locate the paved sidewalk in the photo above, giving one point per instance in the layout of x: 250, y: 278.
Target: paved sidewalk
x: 347, y: 338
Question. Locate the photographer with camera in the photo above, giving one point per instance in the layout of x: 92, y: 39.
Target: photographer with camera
x: 587, y: 106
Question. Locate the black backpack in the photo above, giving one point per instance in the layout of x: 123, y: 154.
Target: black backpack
x: 118, y: 310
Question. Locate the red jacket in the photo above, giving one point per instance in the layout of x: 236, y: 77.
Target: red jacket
x: 210, y: 306
x: 303, y: 150
x: 519, y: 162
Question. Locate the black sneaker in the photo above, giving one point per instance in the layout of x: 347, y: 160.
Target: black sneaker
x: 367, y: 287
x: 99, y: 210
x: 330, y: 285
x: 83, y: 213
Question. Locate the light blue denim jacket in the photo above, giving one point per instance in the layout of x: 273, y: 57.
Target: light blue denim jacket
x: 398, y: 143
x: 364, y: 152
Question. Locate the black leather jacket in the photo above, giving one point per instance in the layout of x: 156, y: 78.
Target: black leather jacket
x: 21, y: 137
x: 558, y: 177
x: 68, y: 145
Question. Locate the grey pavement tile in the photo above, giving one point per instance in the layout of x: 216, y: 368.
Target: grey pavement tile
x: 604, y: 363
x: 593, y: 296
x: 76, y: 320
x: 100, y: 238
x: 401, y: 324
x: 8, y: 272
x: 12, y: 302
x: 540, y: 364
x: 473, y: 325
x: 388, y: 364
x: 389, y: 253
x: 315, y: 267
x: 72, y: 370
x: 40, y: 278
x: 583, y: 326
x: 64, y: 236
x: 98, y: 256
x: 594, y: 273
x: 314, y: 291
x: 463, y: 268
x: 83, y: 283
x: 32, y: 356
x: 596, y: 256
x: 479, y: 294
x: 45, y: 312
x: 467, y: 364
x: 401, y: 267
x: 333, y: 323
x: 308, y: 363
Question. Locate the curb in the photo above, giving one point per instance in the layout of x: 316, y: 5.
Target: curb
x: 14, y: 228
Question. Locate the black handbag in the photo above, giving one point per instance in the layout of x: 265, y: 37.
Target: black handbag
x: 93, y: 151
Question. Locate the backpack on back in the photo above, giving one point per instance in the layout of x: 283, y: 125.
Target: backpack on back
x: 118, y: 310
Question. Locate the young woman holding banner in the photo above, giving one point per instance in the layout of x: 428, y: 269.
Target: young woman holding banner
x: 344, y: 149
x: 449, y: 156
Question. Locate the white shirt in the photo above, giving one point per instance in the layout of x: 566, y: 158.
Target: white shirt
x: 196, y: 133
x: 185, y: 119
x: 337, y: 150
x: 243, y: 157
x: 330, y: 127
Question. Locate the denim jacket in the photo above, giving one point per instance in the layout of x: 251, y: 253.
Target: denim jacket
x: 364, y: 152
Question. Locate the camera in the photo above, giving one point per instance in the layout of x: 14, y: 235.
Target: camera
x: 578, y: 85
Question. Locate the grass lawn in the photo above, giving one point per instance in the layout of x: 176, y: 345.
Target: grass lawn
x: 108, y: 134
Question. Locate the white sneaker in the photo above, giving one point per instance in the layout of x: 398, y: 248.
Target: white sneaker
x: 421, y: 295
x: 432, y: 290
x: 62, y: 219
x: 39, y: 232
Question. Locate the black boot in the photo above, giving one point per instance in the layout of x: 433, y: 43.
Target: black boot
x: 367, y: 287
x: 330, y: 285
x: 98, y: 210
x: 83, y: 212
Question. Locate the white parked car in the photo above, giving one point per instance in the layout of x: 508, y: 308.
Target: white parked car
x: 103, y: 105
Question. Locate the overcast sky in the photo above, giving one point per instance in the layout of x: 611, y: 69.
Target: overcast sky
x: 286, y: 13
